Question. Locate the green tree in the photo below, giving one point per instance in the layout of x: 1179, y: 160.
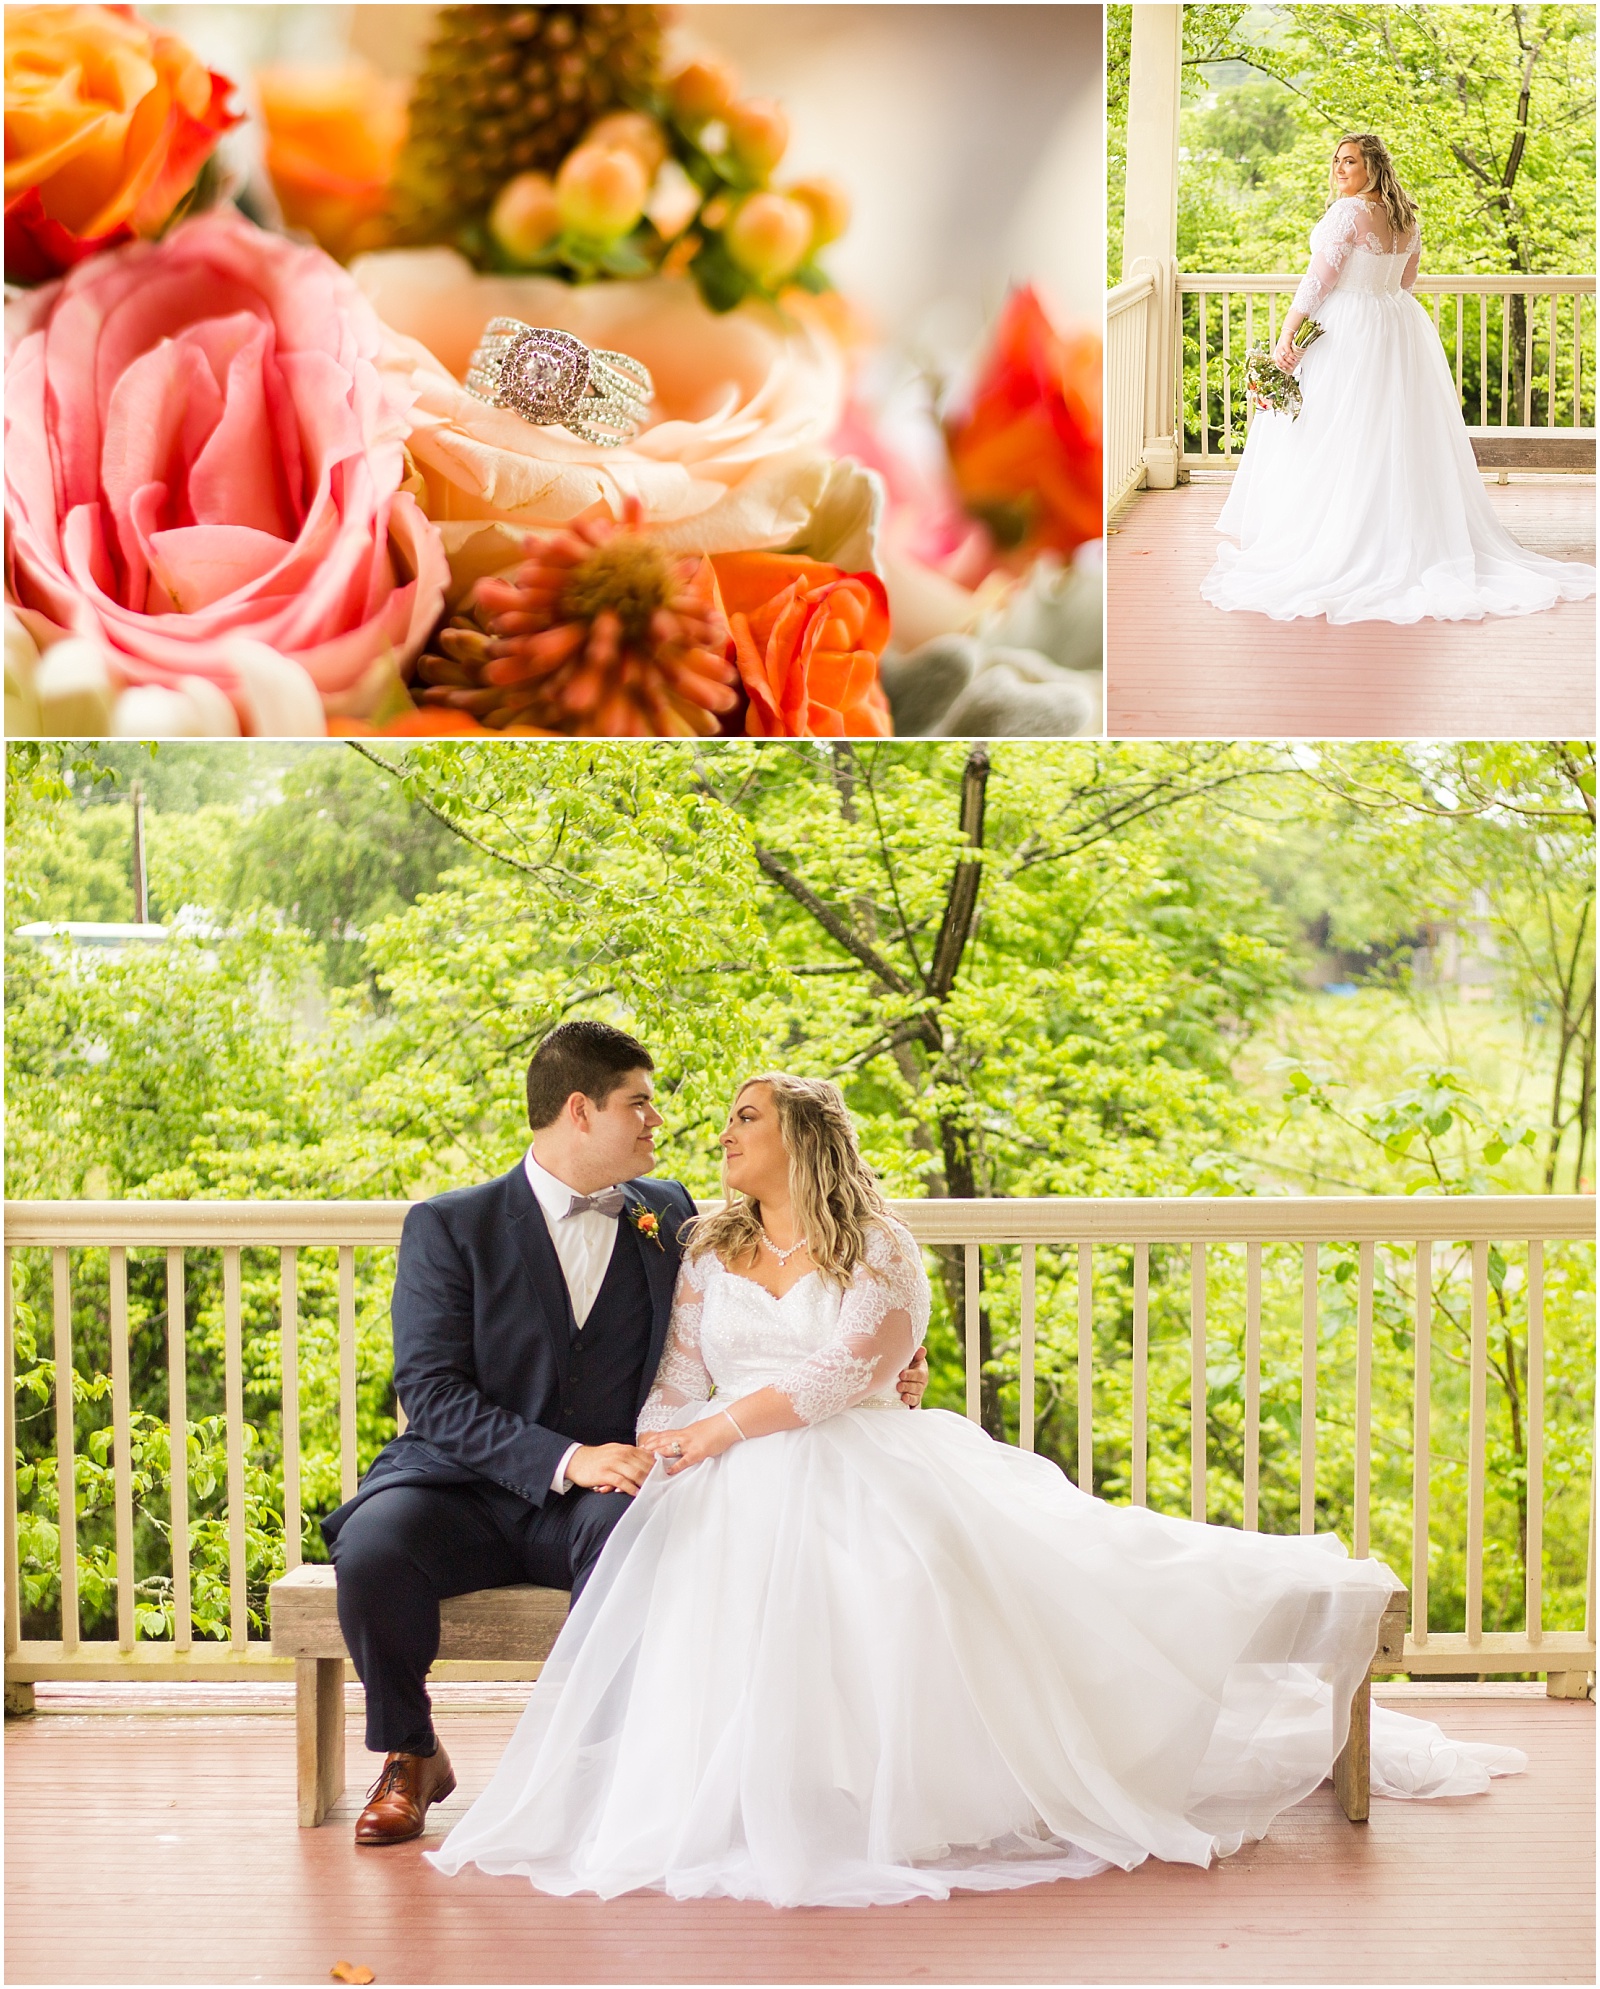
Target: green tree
x: 1488, y: 112
x: 341, y: 850
x: 1036, y: 969
x: 1026, y: 982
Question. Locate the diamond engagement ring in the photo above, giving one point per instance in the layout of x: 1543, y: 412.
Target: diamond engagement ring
x: 556, y: 381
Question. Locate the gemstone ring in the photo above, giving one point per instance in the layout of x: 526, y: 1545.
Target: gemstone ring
x: 556, y: 381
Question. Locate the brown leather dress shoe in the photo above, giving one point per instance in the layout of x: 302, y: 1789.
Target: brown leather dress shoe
x: 397, y: 1803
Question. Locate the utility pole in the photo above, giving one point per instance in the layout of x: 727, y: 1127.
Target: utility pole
x: 141, y: 915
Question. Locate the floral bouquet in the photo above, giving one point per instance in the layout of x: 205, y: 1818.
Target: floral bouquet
x: 248, y: 488
x: 1267, y: 384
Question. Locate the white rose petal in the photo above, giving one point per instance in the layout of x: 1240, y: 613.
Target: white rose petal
x: 215, y: 717
x: 846, y: 519
x: 276, y: 698
x: 76, y: 690
x: 22, y: 669
x: 196, y: 709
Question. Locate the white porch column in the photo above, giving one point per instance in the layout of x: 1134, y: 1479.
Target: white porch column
x: 1150, y: 221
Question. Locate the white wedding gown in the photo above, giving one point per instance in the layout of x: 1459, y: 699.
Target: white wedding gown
x: 1369, y: 507
x: 881, y: 1656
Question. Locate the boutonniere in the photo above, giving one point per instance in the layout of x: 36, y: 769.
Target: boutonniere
x: 647, y: 1222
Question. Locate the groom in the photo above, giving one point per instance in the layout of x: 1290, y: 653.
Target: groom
x: 529, y: 1318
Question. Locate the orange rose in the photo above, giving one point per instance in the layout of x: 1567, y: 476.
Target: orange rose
x: 1026, y: 447
x: 333, y: 139
x: 807, y: 637
x: 108, y: 123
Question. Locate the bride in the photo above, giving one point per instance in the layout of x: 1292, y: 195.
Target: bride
x: 843, y: 1653
x: 1369, y: 506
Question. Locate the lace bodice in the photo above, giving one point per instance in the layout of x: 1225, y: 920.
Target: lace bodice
x: 825, y: 1349
x: 1353, y: 245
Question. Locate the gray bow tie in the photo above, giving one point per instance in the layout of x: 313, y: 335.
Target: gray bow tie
x: 609, y: 1202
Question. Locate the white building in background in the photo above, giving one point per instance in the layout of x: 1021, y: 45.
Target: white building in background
x: 111, y: 940
x: 59, y: 937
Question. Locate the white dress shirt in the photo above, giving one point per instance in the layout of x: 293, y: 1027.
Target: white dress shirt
x: 583, y: 1246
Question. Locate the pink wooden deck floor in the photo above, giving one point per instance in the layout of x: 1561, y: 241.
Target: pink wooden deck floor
x: 1177, y: 668
x: 151, y: 1848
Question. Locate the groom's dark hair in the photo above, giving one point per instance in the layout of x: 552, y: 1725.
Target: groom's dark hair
x: 590, y: 1057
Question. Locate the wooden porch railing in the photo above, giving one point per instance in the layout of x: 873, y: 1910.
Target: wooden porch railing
x: 1128, y: 309
x: 985, y: 1233
x: 1520, y: 348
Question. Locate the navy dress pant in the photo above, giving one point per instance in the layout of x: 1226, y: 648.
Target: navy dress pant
x: 407, y: 1547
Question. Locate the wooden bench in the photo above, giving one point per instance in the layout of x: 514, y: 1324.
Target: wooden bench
x: 495, y: 1625
x: 1533, y: 448
x: 1352, y: 1772
x: 518, y: 1626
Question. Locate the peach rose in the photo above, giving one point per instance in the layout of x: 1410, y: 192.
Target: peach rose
x: 808, y: 638
x: 203, y: 470
x: 734, y: 453
x: 333, y: 139
x: 108, y: 122
x: 1025, y: 448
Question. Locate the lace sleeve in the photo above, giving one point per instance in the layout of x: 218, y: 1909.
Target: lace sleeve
x: 1332, y: 241
x: 681, y: 1378
x: 882, y: 1319
x: 1408, y: 275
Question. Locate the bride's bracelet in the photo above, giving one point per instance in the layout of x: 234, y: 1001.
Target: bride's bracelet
x: 739, y: 1433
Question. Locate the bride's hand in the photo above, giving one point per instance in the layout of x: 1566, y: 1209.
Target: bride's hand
x: 678, y: 1449
x: 1286, y: 355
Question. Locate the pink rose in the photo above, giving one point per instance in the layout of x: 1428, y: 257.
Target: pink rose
x: 204, y: 465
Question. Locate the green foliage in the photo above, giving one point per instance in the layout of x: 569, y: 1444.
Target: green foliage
x: 341, y: 851
x: 1079, y: 969
x: 1488, y: 112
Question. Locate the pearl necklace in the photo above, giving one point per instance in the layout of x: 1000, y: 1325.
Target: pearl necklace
x: 782, y: 1256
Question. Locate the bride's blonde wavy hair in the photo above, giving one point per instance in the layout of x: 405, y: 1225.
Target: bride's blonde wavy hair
x: 834, y: 1194
x: 1382, y: 179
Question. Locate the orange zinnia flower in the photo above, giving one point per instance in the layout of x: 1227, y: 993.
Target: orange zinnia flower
x: 807, y: 639
x: 108, y: 123
x: 597, y: 633
x: 1025, y: 447
x: 429, y: 722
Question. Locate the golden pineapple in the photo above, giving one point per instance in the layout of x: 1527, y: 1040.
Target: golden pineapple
x: 508, y: 90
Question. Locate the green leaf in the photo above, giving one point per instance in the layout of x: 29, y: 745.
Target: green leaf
x: 809, y: 276
x: 720, y: 280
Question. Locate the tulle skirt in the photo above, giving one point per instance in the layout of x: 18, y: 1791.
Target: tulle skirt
x: 1369, y: 506
x: 884, y: 1657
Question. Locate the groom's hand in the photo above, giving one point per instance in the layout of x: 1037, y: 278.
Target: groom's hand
x: 913, y: 1382
x: 609, y: 1467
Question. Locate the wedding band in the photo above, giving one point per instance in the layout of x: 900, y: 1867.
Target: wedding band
x: 554, y: 380
x: 676, y: 1450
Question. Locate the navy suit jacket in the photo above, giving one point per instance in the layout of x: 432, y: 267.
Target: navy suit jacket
x: 481, y: 1339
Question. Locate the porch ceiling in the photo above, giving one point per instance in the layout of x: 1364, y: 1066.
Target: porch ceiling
x: 144, y: 1848
x: 1176, y: 667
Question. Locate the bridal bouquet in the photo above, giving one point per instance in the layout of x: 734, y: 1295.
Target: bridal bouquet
x: 246, y: 489
x: 1267, y: 384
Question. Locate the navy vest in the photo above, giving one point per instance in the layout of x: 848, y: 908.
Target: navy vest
x: 605, y: 1360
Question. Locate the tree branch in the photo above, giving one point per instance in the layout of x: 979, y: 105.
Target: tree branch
x: 833, y: 924
x: 438, y: 814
